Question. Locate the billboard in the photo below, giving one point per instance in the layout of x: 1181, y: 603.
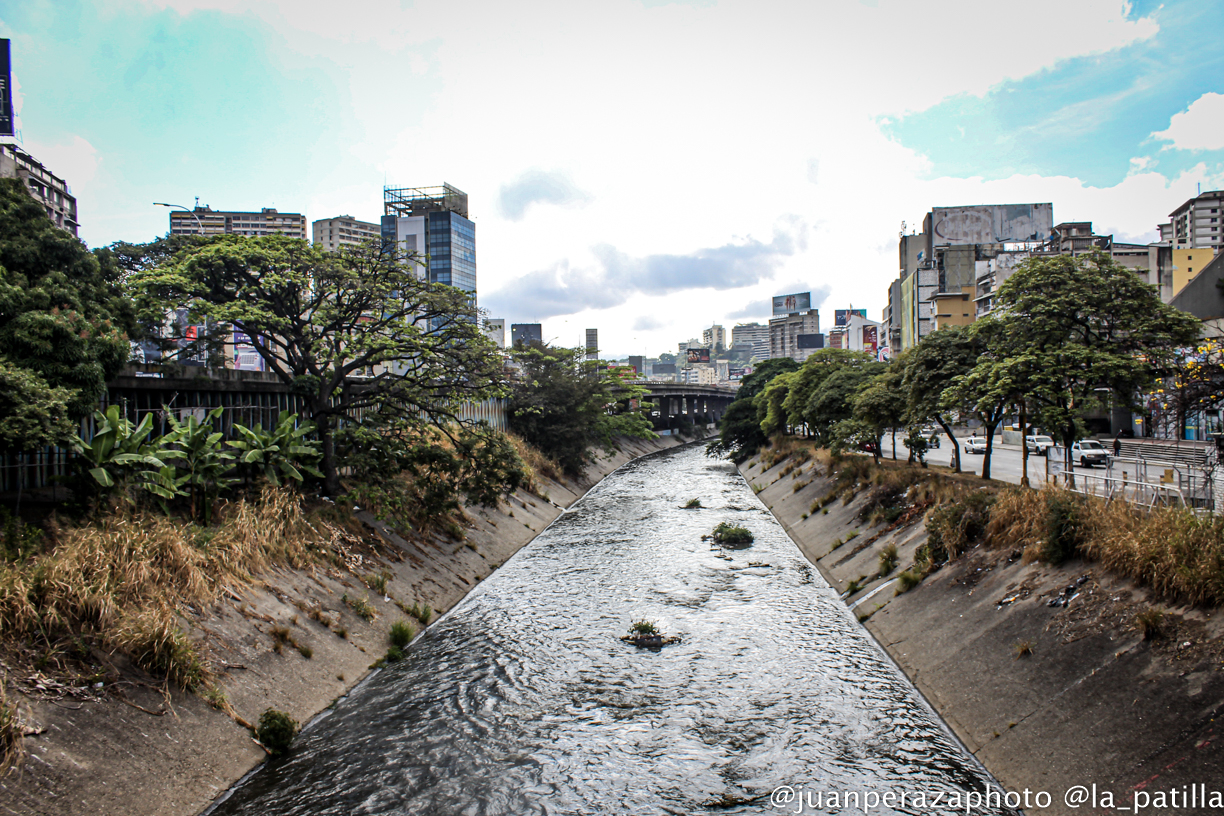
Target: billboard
x: 792, y: 304
x: 699, y: 355
x: 7, y: 125
x: 990, y: 224
x: 664, y: 368
x: 841, y: 317
x: 871, y: 341
x: 810, y: 341
x: 738, y: 373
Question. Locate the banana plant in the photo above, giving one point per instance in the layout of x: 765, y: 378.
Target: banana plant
x: 120, y: 449
x: 283, y: 452
x: 200, y: 462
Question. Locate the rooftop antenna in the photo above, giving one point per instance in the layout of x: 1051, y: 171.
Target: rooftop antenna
x: 197, y: 206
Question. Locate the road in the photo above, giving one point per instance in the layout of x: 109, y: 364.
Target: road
x: 1004, y: 460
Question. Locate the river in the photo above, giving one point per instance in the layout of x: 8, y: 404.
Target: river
x: 523, y: 699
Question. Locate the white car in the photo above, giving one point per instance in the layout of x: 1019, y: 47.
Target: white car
x: 1039, y: 445
x: 1089, y: 453
x: 975, y: 444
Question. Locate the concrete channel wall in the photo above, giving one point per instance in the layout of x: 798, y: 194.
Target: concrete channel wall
x: 1092, y: 704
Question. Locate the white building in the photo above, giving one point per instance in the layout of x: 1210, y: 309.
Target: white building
x: 495, y: 330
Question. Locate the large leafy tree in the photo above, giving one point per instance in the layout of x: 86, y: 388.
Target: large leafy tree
x: 64, y: 325
x: 880, y: 404
x: 740, y: 433
x: 320, y: 319
x: 833, y: 401
x: 1073, y: 327
x: 930, y: 368
x: 565, y: 405
x: 812, y: 374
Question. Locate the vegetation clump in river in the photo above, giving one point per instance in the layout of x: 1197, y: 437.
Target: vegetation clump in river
x: 727, y: 533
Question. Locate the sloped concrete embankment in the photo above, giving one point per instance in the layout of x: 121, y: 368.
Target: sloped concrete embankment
x: 134, y: 748
x: 1092, y: 704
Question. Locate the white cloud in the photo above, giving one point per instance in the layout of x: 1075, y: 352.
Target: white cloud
x: 1198, y: 127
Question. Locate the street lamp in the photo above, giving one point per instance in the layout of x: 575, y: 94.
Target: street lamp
x: 199, y: 224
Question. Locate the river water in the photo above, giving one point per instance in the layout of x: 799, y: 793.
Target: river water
x: 523, y: 700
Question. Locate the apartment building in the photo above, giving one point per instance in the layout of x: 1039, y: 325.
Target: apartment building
x: 1197, y: 223
x: 343, y: 230
x: 267, y: 221
x: 44, y: 186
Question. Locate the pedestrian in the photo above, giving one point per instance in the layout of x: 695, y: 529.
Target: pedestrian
x: 1117, y: 446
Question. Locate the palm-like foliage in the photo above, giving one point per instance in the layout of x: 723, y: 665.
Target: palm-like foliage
x: 120, y: 451
x: 284, y: 452
x: 201, y: 463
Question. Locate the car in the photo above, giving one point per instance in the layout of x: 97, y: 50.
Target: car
x: 931, y: 434
x: 1089, y: 453
x: 975, y: 444
x: 1039, y: 444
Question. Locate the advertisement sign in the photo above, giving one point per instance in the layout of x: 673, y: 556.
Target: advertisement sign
x: 792, y: 304
x: 7, y: 125
x: 810, y: 341
x: 699, y: 355
x: 871, y: 339
x: 990, y: 224
x: 841, y: 317
x: 738, y: 373
x: 884, y: 354
x: 246, y: 358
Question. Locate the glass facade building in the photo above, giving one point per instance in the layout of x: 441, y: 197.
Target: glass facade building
x: 433, y: 223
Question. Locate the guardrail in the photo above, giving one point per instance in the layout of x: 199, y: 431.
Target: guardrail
x: 1143, y: 494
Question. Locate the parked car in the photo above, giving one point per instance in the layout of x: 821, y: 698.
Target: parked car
x: 1089, y: 453
x: 931, y: 434
x: 975, y: 444
x: 1039, y: 444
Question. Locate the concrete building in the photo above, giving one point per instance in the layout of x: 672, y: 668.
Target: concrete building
x: 526, y: 333
x: 755, y: 335
x: 495, y: 330
x: 891, y: 324
x: 638, y: 361
x: 592, y: 344
x: 207, y: 221
x: 793, y: 335
x: 713, y: 337
x: 1197, y: 223
x: 432, y: 223
x: 855, y: 332
x: 47, y: 188
x: 343, y: 230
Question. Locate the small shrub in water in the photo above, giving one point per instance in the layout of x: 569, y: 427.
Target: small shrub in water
x: 643, y: 628
x: 726, y: 533
x: 692, y: 504
x: 276, y: 731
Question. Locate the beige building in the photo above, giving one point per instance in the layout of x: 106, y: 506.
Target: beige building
x: 207, y: 221
x: 716, y: 335
x: 343, y: 230
x: 785, y: 332
x: 1197, y: 223
x: 47, y: 188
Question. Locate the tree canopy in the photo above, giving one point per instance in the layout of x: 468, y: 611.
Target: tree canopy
x: 64, y: 324
x: 564, y: 405
x: 320, y: 319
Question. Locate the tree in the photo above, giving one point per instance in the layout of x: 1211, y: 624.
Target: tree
x: 930, y: 368
x: 770, y: 410
x: 318, y: 319
x: 1084, y: 323
x: 812, y: 374
x: 740, y: 433
x: 880, y: 404
x: 834, y: 401
x: 63, y: 325
x: 564, y: 404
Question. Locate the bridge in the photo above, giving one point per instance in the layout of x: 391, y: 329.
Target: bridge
x: 700, y: 404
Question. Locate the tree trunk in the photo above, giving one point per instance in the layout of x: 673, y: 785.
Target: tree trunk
x: 894, y: 437
x: 1024, y: 479
x: 990, y: 429
x: 956, y: 460
x: 327, y: 441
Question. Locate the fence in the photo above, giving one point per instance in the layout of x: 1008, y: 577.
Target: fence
x: 246, y: 398
x: 1138, y: 480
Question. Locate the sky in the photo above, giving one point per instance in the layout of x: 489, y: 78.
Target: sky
x: 644, y: 167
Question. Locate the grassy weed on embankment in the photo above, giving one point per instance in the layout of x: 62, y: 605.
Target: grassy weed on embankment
x: 1178, y: 554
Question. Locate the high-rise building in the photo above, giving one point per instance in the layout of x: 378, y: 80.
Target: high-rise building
x: 433, y: 223
x: 592, y: 344
x: 638, y: 361
x: 1197, y: 224
x: 495, y: 330
x: 713, y: 337
x: 755, y: 335
x: 785, y: 332
x: 526, y: 333
x: 343, y: 230
x: 207, y: 221
x: 47, y: 188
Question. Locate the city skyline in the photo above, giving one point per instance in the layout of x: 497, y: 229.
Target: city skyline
x: 654, y: 167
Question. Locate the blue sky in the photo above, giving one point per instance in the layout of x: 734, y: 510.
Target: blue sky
x: 646, y: 168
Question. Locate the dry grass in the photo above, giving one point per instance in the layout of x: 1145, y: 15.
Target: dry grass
x: 124, y: 578
x: 537, y: 463
x: 12, y: 745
